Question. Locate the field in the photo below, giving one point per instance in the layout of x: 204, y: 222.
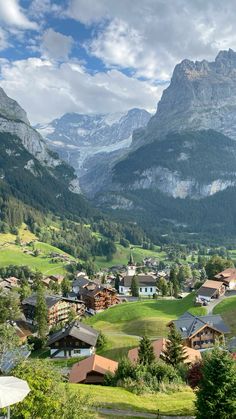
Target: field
x: 227, y: 309
x: 179, y: 403
x: 122, y: 255
x: 126, y: 323
x: 13, y: 254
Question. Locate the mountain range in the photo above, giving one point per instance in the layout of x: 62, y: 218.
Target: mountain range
x: 91, y: 144
x: 173, y: 171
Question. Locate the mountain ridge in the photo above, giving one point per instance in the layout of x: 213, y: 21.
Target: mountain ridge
x: 92, y: 143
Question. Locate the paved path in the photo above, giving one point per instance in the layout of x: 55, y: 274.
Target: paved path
x: 132, y: 413
x: 214, y: 303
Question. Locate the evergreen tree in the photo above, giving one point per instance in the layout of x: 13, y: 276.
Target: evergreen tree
x: 117, y: 282
x: 145, y: 352
x: 174, y: 352
x: 65, y: 287
x: 162, y: 286
x: 41, y: 313
x: 134, y: 287
x: 216, y: 393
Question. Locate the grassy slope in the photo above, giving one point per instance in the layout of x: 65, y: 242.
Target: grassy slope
x: 123, y: 324
x: 179, y: 403
x: 227, y: 309
x: 122, y: 254
x: 12, y: 254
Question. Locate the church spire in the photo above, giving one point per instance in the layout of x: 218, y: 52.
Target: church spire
x: 131, y: 258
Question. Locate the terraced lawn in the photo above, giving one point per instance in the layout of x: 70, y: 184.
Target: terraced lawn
x: 178, y: 403
x: 227, y: 309
x: 125, y: 323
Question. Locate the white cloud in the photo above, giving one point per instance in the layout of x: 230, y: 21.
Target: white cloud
x: 56, y: 45
x: 88, y: 11
x: 4, y: 43
x: 11, y: 14
x: 46, y: 89
x: 168, y: 31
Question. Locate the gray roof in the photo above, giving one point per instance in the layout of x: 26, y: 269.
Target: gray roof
x: 188, y: 324
x: 78, y: 331
x: 143, y: 280
x: 50, y: 300
x: 207, y: 292
x: 80, y: 282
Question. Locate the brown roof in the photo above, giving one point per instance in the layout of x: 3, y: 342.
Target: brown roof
x: 212, y: 284
x: 227, y: 275
x: 159, y: 346
x: 95, y: 363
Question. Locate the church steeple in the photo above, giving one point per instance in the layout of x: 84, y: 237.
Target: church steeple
x: 131, y: 267
x: 131, y: 258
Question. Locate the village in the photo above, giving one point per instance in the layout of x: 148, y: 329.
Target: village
x: 68, y: 312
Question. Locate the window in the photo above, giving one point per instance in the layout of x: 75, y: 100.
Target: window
x: 150, y: 289
x: 140, y: 289
x: 121, y: 289
x: 77, y: 351
x: 145, y: 289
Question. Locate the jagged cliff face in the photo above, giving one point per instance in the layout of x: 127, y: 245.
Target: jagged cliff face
x: 13, y: 120
x: 201, y: 95
x: 182, y: 166
x: 92, y: 143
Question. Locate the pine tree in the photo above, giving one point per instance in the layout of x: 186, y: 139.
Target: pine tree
x: 134, y: 287
x: 145, y: 352
x: 216, y: 393
x: 174, y: 352
x: 117, y: 282
x: 41, y: 313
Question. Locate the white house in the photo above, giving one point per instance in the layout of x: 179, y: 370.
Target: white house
x: 147, y: 285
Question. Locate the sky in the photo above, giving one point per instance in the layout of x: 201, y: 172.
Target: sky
x: 100, y: 56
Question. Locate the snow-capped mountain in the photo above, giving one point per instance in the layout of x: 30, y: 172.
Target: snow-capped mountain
x: 91, y: 143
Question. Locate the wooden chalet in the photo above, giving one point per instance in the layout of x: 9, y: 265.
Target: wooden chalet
x: 76, y: 339
x: 97, y: 297
x: 58, y: 308
x: 200, y: 332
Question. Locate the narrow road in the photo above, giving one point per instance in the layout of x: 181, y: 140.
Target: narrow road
x: 215, y: 302
x: 133, y: 413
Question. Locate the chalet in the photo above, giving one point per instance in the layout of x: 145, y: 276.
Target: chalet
x: 210, y: 290
x: 58, y: 308
x: 228, y: 277
x: 159, y: 346
x: 200, y: 332
x: 76, y: 339
x: 147, y: 285
x: 92, y: 370
x: 98, y: 297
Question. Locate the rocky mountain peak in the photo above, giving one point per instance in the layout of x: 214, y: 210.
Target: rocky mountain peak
x: 201, y: 95
x: 10, y: 109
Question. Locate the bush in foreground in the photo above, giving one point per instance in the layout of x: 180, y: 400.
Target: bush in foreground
x: 49, y: 396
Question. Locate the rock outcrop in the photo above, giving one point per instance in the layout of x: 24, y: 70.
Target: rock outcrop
x: 201, y: 95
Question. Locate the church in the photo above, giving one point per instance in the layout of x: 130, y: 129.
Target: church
x: 147, y: 283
